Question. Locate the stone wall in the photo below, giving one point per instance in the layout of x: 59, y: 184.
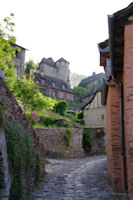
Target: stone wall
x: 94, y: 118
x: 13, y: 112
x: 60, y: 71
x: 96, y: 143
x: 5, y: 179
x: 19, y: 61
x: 56, y: 145
x: 48, y: 70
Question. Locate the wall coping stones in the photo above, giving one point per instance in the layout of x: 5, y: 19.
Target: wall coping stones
x: 56, y: 145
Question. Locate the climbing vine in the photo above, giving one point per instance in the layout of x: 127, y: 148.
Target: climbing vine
x: 67, y: 137
x: 22, y: 158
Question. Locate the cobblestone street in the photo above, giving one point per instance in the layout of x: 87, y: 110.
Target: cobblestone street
x: 77, y: 179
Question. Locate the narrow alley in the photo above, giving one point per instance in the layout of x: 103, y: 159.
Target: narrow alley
x: 77, y: 179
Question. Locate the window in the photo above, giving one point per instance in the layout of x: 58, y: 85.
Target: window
x: 65, y: 95
x: 42, y: 81
x: 53, y: 83
x: 102, y: 117
x: 54, y: 93
x: 63, y: 86
x: 17, y: 54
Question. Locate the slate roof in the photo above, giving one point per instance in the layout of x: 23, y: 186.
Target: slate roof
x: 116, y: 24
x: 62, y: 59
x: 104, y: 46
x: 16, y: 45
x: 48, y: 61
x: 51, y: 62
x: 48, y: 81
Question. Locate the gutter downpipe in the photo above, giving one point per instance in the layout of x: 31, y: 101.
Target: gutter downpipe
x: 119, y: 87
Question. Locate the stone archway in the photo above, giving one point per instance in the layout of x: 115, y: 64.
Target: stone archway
x: 5, y: 180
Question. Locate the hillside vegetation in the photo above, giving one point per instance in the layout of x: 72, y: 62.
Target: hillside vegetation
x: 89, y: 84
x: 86, y: 86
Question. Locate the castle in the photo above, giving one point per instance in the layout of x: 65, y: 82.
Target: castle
x: 53, y: 78
x: 58, y: 69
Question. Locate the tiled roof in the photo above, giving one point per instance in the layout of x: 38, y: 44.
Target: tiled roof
x: 51, y: 62
x: 104, y: 46
x: 48, y: 61
x: 48, y: 81
x: 62, y: 59
x: 16, y: 45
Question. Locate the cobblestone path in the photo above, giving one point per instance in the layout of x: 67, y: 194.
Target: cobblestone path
x: 77, y: 179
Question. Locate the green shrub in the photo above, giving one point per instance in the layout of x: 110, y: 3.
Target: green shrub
x: 33, y: 117
x: 104, y: 153
x: 86, y: 142
x: 72, y: 112
x: 38, y: 163
x: 21, y: 157
x: 80, y: 121
x: 80, y: 91
x: 61, y: 107
x: 80, y: 115
x: 86, y: 135
x: 67, y: 137
x: 46, y: 120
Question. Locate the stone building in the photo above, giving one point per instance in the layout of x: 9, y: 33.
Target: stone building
x: 53, y: 87
x: 58, y: 69
x: 19, y: 60
x: 94, y: 111
x: 116, y: 55
x: 53, y: 78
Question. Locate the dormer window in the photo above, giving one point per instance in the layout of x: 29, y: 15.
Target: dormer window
x: 63, y: 86
x: 53, y: 83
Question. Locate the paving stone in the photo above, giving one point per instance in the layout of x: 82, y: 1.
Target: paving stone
x: 77, y: 179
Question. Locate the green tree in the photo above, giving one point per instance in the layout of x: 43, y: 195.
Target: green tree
x: 6, y: 50
x: 61, y: 107
x: 80, y: 115
x: 24, y: 90
x: 80, y: 91
x: 30, y: 64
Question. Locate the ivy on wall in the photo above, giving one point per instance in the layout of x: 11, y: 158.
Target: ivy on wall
x: 67, y: 137
x: 22, y: 158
